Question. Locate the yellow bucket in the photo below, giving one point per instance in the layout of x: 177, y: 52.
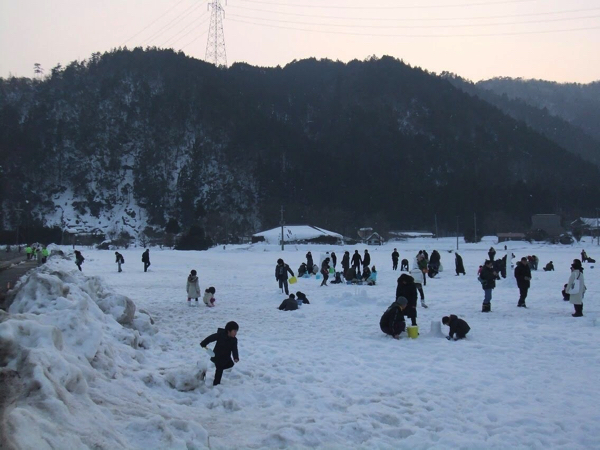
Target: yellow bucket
x: 413, y: 332
x: 293, y: 280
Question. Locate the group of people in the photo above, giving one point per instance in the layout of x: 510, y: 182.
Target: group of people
x: 192, y: 288
x: 39, y: 253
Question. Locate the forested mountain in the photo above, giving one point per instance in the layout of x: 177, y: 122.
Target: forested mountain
x: 578, y: 104
x: 131, y: 139
x: 552, y: 122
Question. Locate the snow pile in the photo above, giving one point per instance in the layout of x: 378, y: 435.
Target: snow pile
x: 67, y: 361
x: 294, y: 233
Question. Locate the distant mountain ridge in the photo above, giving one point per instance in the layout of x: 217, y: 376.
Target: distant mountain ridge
x: 136, y: 140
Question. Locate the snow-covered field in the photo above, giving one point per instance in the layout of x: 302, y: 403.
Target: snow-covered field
x: 324, y: 376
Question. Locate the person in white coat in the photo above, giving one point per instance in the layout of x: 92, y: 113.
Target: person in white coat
x: 193, y: 287
x: 576, y: 287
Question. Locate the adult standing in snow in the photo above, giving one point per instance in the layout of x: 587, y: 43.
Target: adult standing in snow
x: 523, y: 276
x: 192, y: 287
x: 79, y: 259
x: 45, y: 254
x: 406, y: 288
x: 346, y: 262
x: 392, y: 321
x: 309, y: 261
x: 119, y: 260
x: 366, y: 261
x: 576, y: 287
x: 146, y: 259
x: 225, y: 347
x: 488, y: 283
x: 434, y: 264
x: 458, y: 263
x: 356, y: 262
x: 333, y: 259
x: 325, y: 271
x: 422, y: 264
x: 584, y: 256
x: 28, y: 251
x: 281, y: 271
x: 395, y: 257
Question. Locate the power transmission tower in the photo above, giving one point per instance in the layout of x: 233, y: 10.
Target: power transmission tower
x: 215, y: 44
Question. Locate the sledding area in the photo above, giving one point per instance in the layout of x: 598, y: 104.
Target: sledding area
x: 84, y: 370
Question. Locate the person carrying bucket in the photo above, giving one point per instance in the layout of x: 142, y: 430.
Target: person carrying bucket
x: 281, y: 271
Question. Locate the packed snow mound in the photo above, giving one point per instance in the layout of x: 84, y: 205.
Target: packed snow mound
x: 71, y: 350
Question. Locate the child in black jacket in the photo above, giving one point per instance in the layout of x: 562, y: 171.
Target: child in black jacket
x: 225, y: 347
x: 457, y: 326
x: 392, y: 321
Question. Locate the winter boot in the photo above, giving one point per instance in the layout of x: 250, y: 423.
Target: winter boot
x: 578, y: 311
x: 423, y: 304
x: 486, y: 307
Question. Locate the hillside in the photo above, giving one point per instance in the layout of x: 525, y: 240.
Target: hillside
x: 133, y: 140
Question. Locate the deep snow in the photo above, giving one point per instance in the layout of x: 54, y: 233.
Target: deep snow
x: 323, y: 376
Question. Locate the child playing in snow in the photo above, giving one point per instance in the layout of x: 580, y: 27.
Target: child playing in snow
x: 457, y: 326
x: 225, y: 347
x: 193, y: 287
x: 209, y: 296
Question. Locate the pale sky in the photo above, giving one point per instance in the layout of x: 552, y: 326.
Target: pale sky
x: 555, y: 40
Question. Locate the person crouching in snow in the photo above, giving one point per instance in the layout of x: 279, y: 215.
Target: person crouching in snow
x: 458, y: 327
x: 192, y: 287
x: 225, y: 347
x: 302, y: 297
x: 289, y: 304
x: 392, y: 321
x: 209, y: 296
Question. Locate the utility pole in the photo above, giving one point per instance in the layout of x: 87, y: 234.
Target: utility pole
x: 597, y: 229
x: 282, y: 222
x: 475, y: 225
x: 436, y: 230
x: 215, y: 44
x: 456, y: 232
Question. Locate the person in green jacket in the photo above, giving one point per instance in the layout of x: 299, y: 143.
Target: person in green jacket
x: 28, y: 251
x: 45, y: 254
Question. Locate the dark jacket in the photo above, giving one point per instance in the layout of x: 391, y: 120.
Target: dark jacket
x: 392, y: 321
x: 302, y: 269
x: 225, y: 347
x: 458, y: 262
x: 281, y: 271
x: 395, y: 256
x: 523, y: 275
x: 346, y: 261
x: 309, y: 260
x: 289, y: 304
x: 302, y: 296
x: 356, y: 259
x: 350, y: 274
x: 435, y: 258
x: 119, y: 258
x: 366, y: 273
x: 458, y: 326
x: 406, y: 288
x: 333, y: 258
x: 146, y: 256
x: 366, y: 259
x: 488, y: 279
x: 325, y: 267
x: 79, y: 258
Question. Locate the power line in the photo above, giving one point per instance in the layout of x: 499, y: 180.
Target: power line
x: 427, y: 19
x: 192, y: 30
x: 194, y: 40
x: 417, y: 35
x: 417, y: 26
x: 458, y: 5
x: 173, y: 22
x: 184, y: 29
x: 153, y: 22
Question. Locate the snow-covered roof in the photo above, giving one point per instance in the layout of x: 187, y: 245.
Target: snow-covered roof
x: 296, y: 233
x: 588, y: 222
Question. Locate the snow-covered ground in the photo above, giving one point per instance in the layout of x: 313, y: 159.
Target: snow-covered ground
x: 320, y: 377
